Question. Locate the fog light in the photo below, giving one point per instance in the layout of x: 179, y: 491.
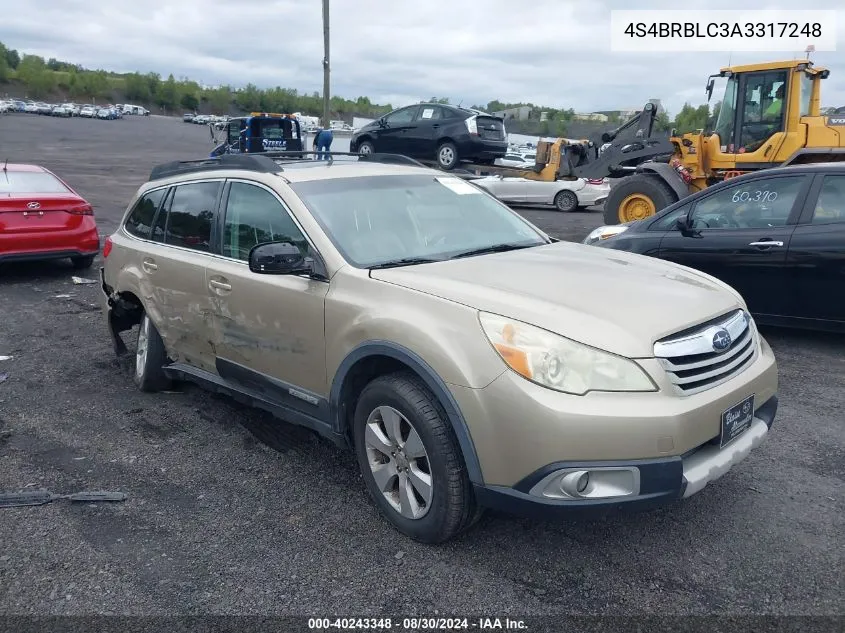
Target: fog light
x: 575, y: 483
x: 603, y: 482
x: 582, y: 482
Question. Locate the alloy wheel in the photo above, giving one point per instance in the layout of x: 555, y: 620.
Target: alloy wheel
x: 398, y: 462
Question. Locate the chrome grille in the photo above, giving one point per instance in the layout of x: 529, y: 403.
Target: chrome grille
x: 702, y: 357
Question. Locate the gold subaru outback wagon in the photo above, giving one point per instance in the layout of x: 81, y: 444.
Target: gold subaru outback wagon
x: 468, y: 359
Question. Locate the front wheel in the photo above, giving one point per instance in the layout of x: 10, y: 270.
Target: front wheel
x: 637, y: 197
x: 410, y: 459
x: 367, y: 148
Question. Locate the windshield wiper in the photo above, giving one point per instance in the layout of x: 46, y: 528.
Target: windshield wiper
x: 405, y: 261
x: 495, y: 248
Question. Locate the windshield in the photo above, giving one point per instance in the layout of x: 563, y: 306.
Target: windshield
x: 381, y: 219
x: 13, y: 182
x: 725, y: 120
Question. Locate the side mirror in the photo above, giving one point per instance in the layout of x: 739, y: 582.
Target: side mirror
x: 277, y: 258
x: 684, y: 225
x: 710, y: 85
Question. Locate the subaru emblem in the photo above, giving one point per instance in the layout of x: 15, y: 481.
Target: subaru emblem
x: 721, y: 340
x: 33, y: 205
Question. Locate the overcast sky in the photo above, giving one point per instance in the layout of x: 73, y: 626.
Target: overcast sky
x: 548, y: 52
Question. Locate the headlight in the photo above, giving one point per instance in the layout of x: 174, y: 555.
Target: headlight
x: 560, y: 363
x: 604, y: 232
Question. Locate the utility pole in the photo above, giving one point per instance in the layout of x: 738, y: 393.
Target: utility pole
x: 326, y: 98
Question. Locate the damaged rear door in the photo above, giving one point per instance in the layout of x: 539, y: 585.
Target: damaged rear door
x: 171, y: 270
x: 268, y: 329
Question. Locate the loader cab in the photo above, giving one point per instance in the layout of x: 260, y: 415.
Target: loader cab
x: 259, y: 132
x: 760, y: 111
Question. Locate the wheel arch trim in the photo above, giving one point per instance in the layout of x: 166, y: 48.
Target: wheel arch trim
x: 665, y: 172
x: 431, y: 379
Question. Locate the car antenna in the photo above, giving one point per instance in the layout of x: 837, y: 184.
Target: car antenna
x: 6, y: 164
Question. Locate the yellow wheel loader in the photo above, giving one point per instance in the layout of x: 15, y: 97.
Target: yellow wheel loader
x: 769, y: 116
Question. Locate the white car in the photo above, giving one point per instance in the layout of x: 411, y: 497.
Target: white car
x: 5, y: 106
x: 31, y: 108
x: 61, y: 110
x: 88, y: 111
x: 517, y: 159
x: 565, y: 195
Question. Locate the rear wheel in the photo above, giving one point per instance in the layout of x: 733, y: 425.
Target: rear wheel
x: 637, y: 197
x: 82, y: 263
x: 150, y: 358
x: 566, y: 201
x: 447, y: 156
x: 410, y: 459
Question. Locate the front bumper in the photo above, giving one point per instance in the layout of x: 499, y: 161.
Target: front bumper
x: 658, y: 482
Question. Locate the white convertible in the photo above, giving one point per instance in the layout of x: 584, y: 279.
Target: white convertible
x: 565, y: 195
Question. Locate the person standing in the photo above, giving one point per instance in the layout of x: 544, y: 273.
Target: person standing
x: 322, y: 142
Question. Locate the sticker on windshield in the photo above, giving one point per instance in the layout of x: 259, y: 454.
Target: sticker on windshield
x: 457, y: 185
x: 427, y: 113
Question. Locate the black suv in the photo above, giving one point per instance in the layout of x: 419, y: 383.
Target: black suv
x: 432, y: 131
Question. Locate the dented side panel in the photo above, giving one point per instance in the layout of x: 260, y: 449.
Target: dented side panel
x: 272, y: 324
x: 171, y: 286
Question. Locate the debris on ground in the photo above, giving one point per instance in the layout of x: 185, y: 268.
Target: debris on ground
x: 4, y: 377
x: 62, y: 297
x: 83, y: 280
x: 40, y: 497
x: 5, y: 358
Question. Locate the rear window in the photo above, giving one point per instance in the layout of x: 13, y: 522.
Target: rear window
x: 12, y: 182
x: 140, y: 220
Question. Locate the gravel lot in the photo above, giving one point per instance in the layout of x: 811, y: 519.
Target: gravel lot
x: 230, y: 511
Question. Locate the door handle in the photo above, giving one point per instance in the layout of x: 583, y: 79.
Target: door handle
x: 766, y: 243
x: 435, y: 125
x: 219, y: 285
x: 149, y: 265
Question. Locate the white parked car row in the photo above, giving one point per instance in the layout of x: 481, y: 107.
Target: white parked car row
x: 206, y: 119
x: 90, y: 111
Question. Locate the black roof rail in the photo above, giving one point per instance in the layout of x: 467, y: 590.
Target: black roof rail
x: 375, y: 157
x: 247, y: 162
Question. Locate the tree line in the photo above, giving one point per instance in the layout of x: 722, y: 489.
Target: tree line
x: 42, y: 78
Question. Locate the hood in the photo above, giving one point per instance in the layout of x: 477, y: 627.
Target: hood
x: 616, y: 301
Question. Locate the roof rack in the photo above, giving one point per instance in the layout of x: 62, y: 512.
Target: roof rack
x: 247, y: 162
x: 398, y: 159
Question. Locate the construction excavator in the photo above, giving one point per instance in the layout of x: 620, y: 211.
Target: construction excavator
x: 769, y: 116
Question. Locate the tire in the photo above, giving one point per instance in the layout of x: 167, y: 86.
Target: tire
x: 566, y: 201
x: 447, y: 156
x: 82, y: 263
x: 149, y: 363
x: 450, y: 507
x: 367, y: 147
x: 653, y: 192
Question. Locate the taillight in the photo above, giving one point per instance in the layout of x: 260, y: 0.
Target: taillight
x: 595, y: 181
x: 82, y: 209
x: 472, y: 125
x: 107, y: 248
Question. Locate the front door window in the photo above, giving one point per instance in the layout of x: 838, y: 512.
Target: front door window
x: 758, y: 203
